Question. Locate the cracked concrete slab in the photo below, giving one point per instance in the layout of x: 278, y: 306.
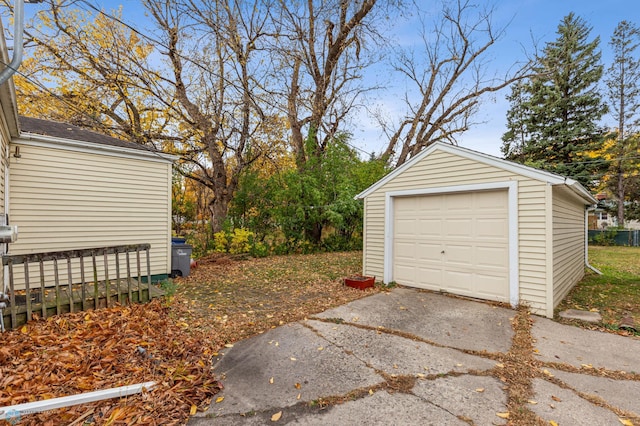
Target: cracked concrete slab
x: 286, y: 356
x: 566, y: 408
x: 444, y: 320
x: 477, y: 398
x: 383, y: 408
x: 622, y: 394
x: 322, y: 359
x: 399, y: 355
x: 574, y: 346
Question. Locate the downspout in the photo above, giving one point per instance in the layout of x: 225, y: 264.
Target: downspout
x: 18, y: 48
x: 586, y: 240
x: 5, y: 75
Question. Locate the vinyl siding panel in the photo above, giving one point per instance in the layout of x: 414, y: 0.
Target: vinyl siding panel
x: 442, y: 169
x: 63, y: 199
x: 568, y: 243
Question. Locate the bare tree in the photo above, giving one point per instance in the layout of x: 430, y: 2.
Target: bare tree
x: 193, y: 90
x: 211, y: 46
x: 448, y: 77
x: 322, y: 47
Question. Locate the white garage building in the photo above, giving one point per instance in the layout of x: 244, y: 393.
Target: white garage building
x: 455, y: 220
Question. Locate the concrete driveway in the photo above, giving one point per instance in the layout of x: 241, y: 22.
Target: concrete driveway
x: 411, y: 357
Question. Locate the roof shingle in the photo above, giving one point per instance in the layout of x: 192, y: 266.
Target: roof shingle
x: 69, y: 131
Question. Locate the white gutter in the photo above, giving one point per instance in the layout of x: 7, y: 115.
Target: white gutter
x: 586, y: 241
x: 16, y: 411
x: 18, y: 48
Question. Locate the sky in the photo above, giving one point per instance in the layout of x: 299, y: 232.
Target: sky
x: 525, y: 21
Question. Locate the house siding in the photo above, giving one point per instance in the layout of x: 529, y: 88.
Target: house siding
x: 63, y: 199
x: 568, y: 243
x: 440, y: 169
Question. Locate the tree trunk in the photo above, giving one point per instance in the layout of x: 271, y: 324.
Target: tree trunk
x: 218, y: 208
x: 621, y: 194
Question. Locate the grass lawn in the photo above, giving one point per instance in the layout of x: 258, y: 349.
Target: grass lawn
x: 235, y: 299
x: 616, y: 293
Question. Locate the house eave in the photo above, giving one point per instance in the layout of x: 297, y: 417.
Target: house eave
x: 33, y: 139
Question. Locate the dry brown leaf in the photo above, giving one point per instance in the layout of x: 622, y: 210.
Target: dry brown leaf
x: 194, y: 409
x: 480, y: 390
x: 504, y: 415
x: 271, y: 380
x: 553, y: 423
x: 276, y: 416
x: 625, y: 422
x: 219, y: 399
x: 555, y: 398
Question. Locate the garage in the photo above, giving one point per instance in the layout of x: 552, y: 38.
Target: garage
x: 456, y: 243
x: 458, y: 221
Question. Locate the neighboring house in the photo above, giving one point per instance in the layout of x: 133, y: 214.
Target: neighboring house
x: 604, y: 216
x: 70, y: 188
x: 455, y: 220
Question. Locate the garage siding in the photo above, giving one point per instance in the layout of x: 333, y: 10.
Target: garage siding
x: 444, y: 169
x: 63, y: 199
x: 568, y: 243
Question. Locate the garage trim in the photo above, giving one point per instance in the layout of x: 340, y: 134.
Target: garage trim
x: 512, y: 194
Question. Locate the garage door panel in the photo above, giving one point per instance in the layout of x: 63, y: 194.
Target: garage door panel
x: 459, y: 255
x: 493, y: 287
x: 457, y: 202
x: 429, y: 276
x: 458, y: 281
x: 493, y: 257
x: 428, y: 228
x: 492, y: 228
x: 493, y: 200
x: 471, y: 229
x: 405, y: 252
x: 428, y: 252
x: 405, y: 228
x: 458, y: 228
x: 429, y: 205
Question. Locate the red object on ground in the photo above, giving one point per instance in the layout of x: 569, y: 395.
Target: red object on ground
x: 360, y: 282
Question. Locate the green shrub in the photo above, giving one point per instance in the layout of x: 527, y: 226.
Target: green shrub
x: 606, y: 238
x: 259, y: 249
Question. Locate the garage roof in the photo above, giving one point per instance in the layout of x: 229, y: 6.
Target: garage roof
x: 533, y: 173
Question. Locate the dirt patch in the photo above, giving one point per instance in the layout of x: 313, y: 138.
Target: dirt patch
x: 233, y: 298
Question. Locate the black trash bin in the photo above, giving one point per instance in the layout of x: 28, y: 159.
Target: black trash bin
x: 180, y: 258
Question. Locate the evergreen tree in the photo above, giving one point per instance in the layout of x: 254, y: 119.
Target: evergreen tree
x: 514, y: 140
x: 623, y: 78
x: 556, y: 115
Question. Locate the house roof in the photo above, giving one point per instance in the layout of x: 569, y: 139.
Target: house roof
x: 531, y: 172
x: 53, y: 131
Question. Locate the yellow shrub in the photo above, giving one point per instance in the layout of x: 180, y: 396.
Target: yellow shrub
x: 220, y: 242
x: 240, y: 241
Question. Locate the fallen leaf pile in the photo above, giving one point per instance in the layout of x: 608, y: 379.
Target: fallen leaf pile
x: 95, y: 350
x: 222, y: 301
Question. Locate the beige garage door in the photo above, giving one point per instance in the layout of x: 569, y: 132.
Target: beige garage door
x: 457, y: 243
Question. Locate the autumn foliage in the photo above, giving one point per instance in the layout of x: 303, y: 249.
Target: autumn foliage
x: 88, y: 351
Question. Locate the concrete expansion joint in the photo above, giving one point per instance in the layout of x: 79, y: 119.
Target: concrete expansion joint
x: 403, y: 334
x: 341, y: 347
x: 590, y: 398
